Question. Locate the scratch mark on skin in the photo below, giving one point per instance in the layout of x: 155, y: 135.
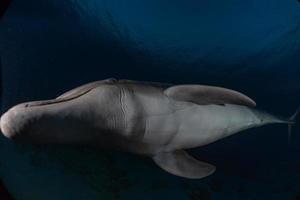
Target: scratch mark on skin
x: 121, y: 100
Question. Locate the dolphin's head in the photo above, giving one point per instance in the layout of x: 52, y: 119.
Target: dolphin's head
x: 54, y: 121
x: 45, y: 123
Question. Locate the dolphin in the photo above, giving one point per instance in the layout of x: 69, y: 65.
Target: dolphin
x: 153, y: 119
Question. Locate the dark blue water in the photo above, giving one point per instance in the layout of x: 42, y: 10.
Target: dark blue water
x: 50, y: 46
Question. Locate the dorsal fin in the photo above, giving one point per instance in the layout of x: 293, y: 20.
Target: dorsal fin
x: 76, y: 92
x: 202, y: 94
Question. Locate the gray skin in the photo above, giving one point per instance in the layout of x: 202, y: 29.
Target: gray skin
x: 153, y: 119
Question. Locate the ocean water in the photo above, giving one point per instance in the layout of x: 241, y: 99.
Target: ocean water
x: 50, y: 46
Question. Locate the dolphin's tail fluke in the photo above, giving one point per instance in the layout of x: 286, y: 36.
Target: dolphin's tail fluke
x: 292, y: 120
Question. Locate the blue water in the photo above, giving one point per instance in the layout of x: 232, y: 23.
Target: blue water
x: 50, y: 46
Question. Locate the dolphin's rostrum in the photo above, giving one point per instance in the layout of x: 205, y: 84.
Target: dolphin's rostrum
x: 158, y: 120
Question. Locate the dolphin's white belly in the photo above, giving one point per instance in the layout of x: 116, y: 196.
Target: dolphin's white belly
x: 197, y: 125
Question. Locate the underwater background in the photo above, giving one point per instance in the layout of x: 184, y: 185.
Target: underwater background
x: 50, y: 46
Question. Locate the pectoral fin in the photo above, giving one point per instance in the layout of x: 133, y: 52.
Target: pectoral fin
x: 181, y: 164
x: 201, y: 94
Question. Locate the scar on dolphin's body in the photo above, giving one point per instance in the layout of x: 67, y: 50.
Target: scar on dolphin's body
x: 153, y: 119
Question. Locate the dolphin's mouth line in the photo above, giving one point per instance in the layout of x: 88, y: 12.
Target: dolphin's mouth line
x: 45, y: 102
x: 55, y: 101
